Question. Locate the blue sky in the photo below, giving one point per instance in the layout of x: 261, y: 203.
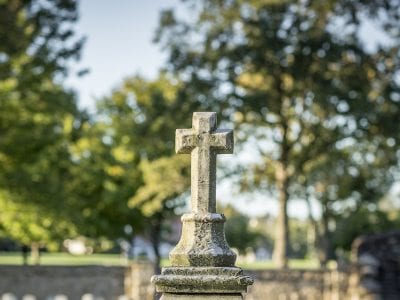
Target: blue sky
x: 119, y: 44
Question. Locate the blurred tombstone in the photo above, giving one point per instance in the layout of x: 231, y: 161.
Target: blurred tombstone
x: 77, y: 247
x: 125, y: 247
x: 377, y: 266
x: 263, y: 254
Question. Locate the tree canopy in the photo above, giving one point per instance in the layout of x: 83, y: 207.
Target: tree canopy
x: 296, y: 75
x: 38, y: 116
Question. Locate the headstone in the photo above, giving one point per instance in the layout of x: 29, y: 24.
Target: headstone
x: 203, y: 265
x: 377, y: 261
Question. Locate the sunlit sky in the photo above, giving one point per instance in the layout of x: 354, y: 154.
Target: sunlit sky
x: 119, y: 44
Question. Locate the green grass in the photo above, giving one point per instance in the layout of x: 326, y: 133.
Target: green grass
x: 293, y: 264
x: 268, y: 264
x: 15, y: 258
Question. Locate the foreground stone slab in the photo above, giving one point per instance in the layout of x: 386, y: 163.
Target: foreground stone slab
x: 201, y: 296
x: 203, y: 265
x: 207, y: 280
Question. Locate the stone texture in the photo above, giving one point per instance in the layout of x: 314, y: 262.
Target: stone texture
x: 202, y: 262
x: 68, y: 282
x: 207, y: 280
x: 289, y: 284
x: 201, y: 296
x: 137, y: 281
x: 203, y: 142
x: 203, y: 242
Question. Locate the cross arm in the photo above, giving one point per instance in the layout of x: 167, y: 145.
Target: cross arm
x: 184, y: 141
x: 222, y: 141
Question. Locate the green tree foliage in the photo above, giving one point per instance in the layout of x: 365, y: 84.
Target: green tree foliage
x: 362, y: 222
x: 164, y: 180
x: 140, y: 118
x: 38, y: 117
x: 26, y: 225
x: 238, y: 233
x: 294, y: 74
x: 299, y: 231
x: 102, y: 178
x: 346, y: 181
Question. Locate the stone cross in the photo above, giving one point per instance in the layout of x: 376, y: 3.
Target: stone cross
x: 204, y: 142
x: 202, y: 264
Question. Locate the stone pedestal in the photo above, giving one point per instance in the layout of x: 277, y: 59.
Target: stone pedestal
x: 202, y: 263
x: 202, y: 242
x: 202, y: 296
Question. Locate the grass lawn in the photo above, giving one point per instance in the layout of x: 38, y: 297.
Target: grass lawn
x: 293, y: 263
x: 268, y: 264
x: 15, y: 258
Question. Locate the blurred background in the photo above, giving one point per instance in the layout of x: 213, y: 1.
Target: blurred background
x: 91, y: 93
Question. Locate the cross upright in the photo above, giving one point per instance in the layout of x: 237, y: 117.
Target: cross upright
x: 203, y: 141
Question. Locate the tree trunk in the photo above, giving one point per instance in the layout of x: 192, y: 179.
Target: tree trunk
x: 324, y: 238
x: 282, y: 183
x: 313, y: 241
x: 25, y: 251
x: 155, y: 236
x: 282, y: 232
x: 35, y: 253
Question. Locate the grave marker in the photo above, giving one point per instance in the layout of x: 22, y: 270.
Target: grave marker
x: 203, y: 265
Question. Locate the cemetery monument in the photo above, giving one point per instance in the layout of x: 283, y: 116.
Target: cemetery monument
x: 203, y: 265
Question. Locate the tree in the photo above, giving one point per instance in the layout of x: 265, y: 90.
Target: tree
x: 281, y: 72
x: 360, y: 173
x: 363, y: 221
x: 38, y: 117
x: 29, y: 226
x: 102, y: 177
x: 165, y: 182
x: 140, y: 118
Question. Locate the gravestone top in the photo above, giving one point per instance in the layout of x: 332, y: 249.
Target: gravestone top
x: 203, y: 141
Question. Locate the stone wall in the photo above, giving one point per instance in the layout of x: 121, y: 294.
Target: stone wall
x: 62, y: 282
x: 137, y: 281
x: 375, y: 274
x: 298, y: 285
x: 107, y: 283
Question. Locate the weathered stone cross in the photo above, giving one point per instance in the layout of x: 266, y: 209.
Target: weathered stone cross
x: 204, y: 142
x: 202, y: 264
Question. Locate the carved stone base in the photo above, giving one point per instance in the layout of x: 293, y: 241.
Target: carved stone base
x: 202, y: 296
x: 201, y: 280
x: 203, y: 242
